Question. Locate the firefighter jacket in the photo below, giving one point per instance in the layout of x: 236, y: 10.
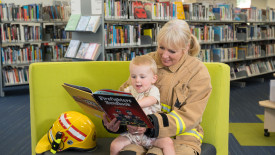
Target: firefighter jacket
x: 184, y: 91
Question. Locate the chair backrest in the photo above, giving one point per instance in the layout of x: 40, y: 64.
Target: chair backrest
x: 48, y: 99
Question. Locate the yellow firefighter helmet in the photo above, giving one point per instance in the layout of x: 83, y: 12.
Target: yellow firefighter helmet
x: 72, y: 130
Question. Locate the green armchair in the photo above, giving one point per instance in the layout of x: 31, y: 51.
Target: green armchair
x: 48, y: 99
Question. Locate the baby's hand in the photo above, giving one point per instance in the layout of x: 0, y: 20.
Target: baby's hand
x: 141, y: 130
x: 135, y: 129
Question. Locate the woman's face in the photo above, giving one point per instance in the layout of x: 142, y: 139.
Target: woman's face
x: 169, y: 57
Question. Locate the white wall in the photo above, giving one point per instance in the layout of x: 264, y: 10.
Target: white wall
x: 270, y: 3
x: 213, y: 1
x: 259, y: 3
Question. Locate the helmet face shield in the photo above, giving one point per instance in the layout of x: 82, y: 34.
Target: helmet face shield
x: 78, y: 132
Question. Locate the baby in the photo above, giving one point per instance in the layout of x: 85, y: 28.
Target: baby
x: 143, y: 74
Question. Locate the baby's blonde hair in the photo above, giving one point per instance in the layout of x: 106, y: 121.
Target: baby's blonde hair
x: 145, y: 60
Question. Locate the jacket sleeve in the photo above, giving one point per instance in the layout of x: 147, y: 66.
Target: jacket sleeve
x: 187, y: 113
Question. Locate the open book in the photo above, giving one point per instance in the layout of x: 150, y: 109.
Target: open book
x: 116, y: 104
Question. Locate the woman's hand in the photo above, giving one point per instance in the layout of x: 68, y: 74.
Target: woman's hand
x: 113, y: 125
x: 136, y: 130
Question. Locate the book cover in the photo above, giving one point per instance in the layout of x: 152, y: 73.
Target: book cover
x: 116, y: 104
x: 72, y: 48
x: 92, y: 51
x: 236, y: 14
x: 217, y: 13
x: 72, y: 23
x: 93, y: 24
x: 148, y: 6
x: 82, y: 50
x: 139, y: 11
x: 83, y: 22
x: 180, y: 11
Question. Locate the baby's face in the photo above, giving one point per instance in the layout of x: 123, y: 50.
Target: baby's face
x: 142, y: 77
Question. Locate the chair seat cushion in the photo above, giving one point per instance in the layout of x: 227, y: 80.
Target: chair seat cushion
x: 208, y: 149
x: 103, y: 148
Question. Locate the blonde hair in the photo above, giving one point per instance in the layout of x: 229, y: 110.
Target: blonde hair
x: 145, y: 60
x: 176, y: 34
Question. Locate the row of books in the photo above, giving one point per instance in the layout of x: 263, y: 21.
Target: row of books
x: 259, y: 14
x: 15, y: 75
x: 20, y: 33
x: 32, y: 53
x: 166, y: 10
x: 125, y: 9
x: 136, y: 33
x: 126, y: 54
x: 130, y: 34
x: 78, y: 22
x: 82, y: 50
x: 56, y: 33
x: 241, y: 52
x: 35, y: 12
x: 209, y: 33
x: 254, y: 32
x: 17, y: 55
x: 55, y: 52
x: 33, y: 32
x: 242, y: 70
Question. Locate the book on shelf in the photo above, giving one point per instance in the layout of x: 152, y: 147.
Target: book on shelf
x: 83, y: 22
x: 187, y: 8
x: 82, y: 50
x: 115, y: 104
x: 217, y: 13
x: 139, y: 11
x: 93, y: 24
x: 180, y: 11
x: 92, y: 52
x: 148, y: 6
x: 72, y: 23
x: 72, y: 49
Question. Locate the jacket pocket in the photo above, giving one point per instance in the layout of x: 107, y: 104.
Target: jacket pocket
x: 181, y: 91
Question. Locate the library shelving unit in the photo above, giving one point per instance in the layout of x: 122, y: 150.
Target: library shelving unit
x: 246, y: 45
x: 242, y: 38
x: 121, y: 35
x: 27, y: 37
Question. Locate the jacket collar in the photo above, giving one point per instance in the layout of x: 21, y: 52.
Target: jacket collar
x: 173, y: 68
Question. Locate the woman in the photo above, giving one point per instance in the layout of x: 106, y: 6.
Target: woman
x: 185, y: 86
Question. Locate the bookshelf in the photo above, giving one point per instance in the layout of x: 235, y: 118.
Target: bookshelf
x: 30, y: 33
x: 117, y: 17
x: 246, y: 41
x: 89, y: 36
x: 246, y: 45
